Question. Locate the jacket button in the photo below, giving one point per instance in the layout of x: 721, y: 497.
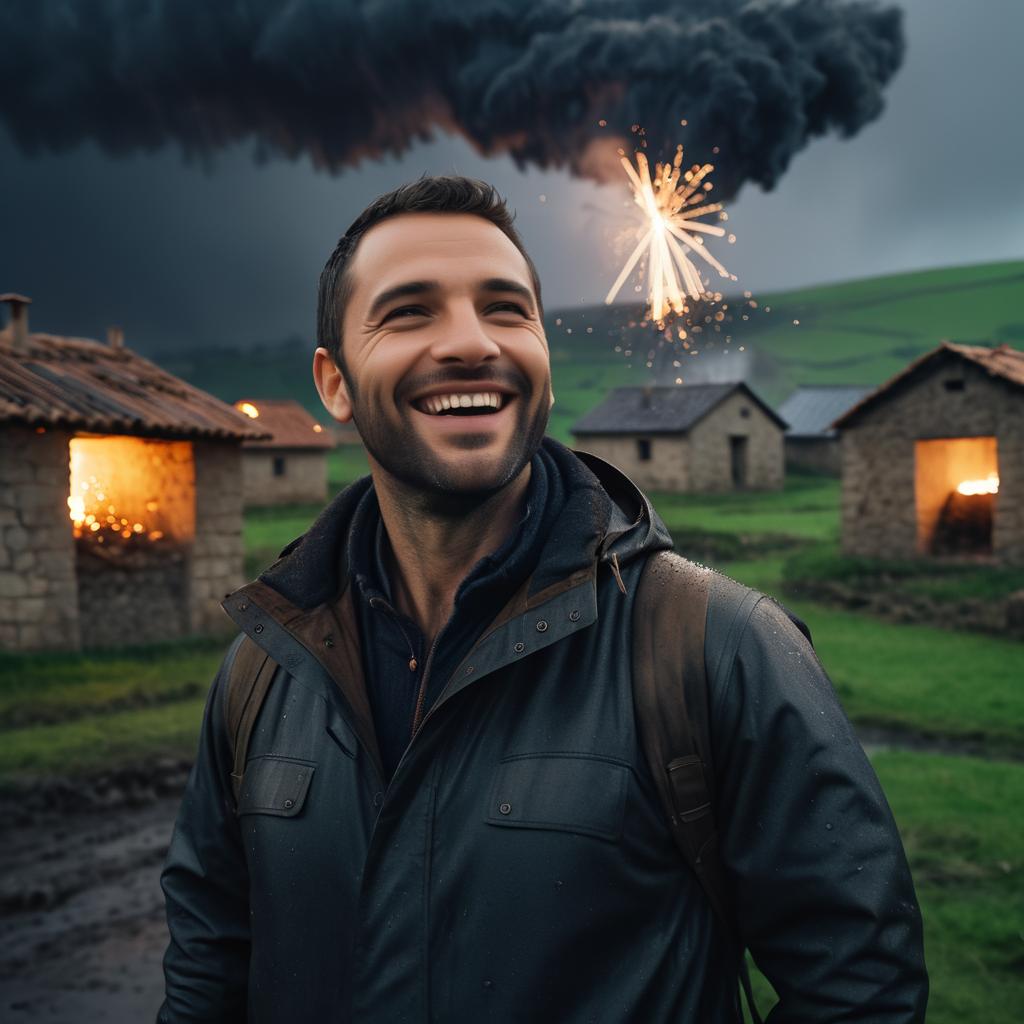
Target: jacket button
x: 378, y: 799
x: 328, y: 641
x: 542, y: 626
x: 574, y: 615
x: 519, y: 647
x: 505, y: 808
x: 258, y: 628
x: 289, y: 803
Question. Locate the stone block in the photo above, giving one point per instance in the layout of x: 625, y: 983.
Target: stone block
x: 16, y: 538
x: 13, y: 585
x: 24, y: 560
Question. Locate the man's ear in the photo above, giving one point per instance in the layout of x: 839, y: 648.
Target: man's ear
x: 330, y: 383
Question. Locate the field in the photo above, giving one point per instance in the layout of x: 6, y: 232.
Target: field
x: 937, y: 694
x: 959, y: 816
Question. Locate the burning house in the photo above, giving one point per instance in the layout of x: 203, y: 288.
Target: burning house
x: 289, y: 466
x: 120, y: 495
x: 689, y: 437
x: 933, y: 461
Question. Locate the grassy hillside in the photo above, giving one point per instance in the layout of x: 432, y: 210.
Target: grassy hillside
x: 858, y: 332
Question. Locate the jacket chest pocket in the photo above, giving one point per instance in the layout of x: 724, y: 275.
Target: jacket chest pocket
x: 275, y: 785
x: 566, y: 792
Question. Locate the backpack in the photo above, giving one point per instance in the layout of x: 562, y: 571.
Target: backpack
x: 672, y: 719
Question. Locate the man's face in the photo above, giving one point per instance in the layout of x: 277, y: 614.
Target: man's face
x: 449, y: 380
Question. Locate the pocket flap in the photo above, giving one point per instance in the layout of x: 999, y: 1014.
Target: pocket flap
x: 275, y: 785
x: 579, y: 793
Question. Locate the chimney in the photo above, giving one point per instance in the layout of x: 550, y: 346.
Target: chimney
x: 115, y: 337
x: 18, y: 321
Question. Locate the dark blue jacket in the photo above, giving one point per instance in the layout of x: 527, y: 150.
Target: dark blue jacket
x: 517, y: 867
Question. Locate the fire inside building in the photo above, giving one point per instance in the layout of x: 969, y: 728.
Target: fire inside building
x: 120, y: 495
x: 933, y: 461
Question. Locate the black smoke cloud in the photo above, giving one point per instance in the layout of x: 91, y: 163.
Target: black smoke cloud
x: 341, y: 81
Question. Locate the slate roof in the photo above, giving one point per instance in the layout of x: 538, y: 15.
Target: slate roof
x: 1003, y: 363
x: 287, y: 424
x: 662, y: 410
x: 81, y: 384
x: 811, y: 411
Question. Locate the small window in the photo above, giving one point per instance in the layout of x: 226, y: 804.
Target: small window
x: 954, y: 385
x: 745, y: 412
x: 643, y: 449
x: 279, y: 465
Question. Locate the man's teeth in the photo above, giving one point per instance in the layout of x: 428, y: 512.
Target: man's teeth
x: 436, y: 404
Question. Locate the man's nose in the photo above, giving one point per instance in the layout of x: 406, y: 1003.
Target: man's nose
x: 464, y: 338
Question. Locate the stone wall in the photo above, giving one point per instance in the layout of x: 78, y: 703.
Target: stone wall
x: 666, y: 470
x: 217, y: 553
x: 126, y: 603
x: 38, y: 603
x: 817, y: 454
x: 710, y: 457
x: 304, y: 479
x: 951, y: 398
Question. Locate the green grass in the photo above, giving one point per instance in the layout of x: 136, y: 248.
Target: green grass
x: 807, y: 509
x: 960, y: 823
x: 41, y: 688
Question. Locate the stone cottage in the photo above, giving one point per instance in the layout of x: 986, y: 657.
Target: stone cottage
x: 290, y: 466
x: 811, y: 441
x: 688, y: 437
x: 933, y: 461
x: 120, y: 495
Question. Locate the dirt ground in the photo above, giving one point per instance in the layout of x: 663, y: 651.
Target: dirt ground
x: 82, y: 928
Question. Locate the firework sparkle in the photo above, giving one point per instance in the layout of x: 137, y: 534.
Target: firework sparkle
x: 672, y: 204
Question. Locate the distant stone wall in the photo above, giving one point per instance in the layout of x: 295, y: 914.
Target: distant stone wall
x: 217, y: 552
x: 38, y: 602
x: 666, y: 470
x: 303, y: 478
x: 123, y: 605
x: 949, y: 399
x: 710, y: 449
x: 818, y: 454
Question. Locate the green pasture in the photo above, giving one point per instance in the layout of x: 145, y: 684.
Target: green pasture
x: 960, y: 817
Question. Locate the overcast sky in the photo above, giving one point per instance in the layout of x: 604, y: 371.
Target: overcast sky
x: 183, y: 255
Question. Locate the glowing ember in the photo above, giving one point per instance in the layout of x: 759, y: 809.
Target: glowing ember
x: 248, y: 408
x: 317, y: 428
x: 990, y: 485
x: 672, y: 204
x: 134, y: 490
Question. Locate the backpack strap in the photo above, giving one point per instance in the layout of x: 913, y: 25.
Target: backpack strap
x: 249, y: 678
x: 670, y: 695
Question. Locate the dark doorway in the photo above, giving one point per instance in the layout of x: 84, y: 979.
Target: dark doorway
x: 738, y: 461
x: 279, y: 465
x: 643, y: 449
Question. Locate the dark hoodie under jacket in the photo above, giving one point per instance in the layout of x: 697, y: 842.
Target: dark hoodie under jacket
x: 517, y: 866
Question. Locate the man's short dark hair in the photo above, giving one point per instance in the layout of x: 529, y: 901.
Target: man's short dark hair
x: 446, y: 194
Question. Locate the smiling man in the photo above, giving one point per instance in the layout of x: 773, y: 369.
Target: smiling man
x: 421, y: 792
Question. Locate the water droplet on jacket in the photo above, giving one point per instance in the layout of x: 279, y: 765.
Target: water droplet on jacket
x: 828, y: 825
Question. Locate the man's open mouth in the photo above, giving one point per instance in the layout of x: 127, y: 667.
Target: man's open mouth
x: 461, y: 403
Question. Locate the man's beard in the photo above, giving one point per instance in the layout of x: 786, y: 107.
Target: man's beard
x: 405, y: 455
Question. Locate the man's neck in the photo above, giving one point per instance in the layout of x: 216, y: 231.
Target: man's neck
x: 432, y: 552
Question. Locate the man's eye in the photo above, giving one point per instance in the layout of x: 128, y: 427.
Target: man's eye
x: 403, y: 312
x: 505, y: 307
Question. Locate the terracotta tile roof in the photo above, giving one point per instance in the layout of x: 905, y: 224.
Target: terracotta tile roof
x: 1003, y: 362
x: 287, y: 423
x: 661, y: 410
x: 81, y: 384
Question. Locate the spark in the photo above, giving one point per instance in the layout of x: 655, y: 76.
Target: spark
x: 672, y: 203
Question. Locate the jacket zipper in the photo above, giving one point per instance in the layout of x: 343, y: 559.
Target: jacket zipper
x: 422, y: 695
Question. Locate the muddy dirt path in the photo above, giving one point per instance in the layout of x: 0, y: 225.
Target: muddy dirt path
x: 82, y: 929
